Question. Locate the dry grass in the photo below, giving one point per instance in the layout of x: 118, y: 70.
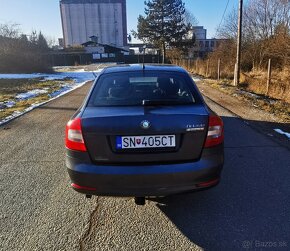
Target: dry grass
x: 276, y: 102
x: 22, y: 105
x: 254, y: 81
x: 279, y: 88
x: 279, y: 108
x: 9, y: 88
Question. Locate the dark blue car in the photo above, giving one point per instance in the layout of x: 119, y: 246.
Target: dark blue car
x: 144, y: 131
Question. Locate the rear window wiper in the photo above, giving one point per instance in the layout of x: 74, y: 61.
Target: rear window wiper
x: 164, y: 102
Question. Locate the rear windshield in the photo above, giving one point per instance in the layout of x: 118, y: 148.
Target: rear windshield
x: 132, y: 89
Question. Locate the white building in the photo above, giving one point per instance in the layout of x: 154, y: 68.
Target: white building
x: 105, y: 19
x: 203, y: 45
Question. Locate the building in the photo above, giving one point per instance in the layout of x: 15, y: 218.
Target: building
x: 104, y: 19
x: 102, y: 51
x: 203, y: 45
x: 199, y: 32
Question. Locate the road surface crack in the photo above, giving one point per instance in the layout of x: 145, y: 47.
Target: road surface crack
x: 87, y: 235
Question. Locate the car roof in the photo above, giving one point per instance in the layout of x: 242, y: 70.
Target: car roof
x: 147, y: 67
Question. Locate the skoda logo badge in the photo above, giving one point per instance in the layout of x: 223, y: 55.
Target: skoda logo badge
x: 145, y: 124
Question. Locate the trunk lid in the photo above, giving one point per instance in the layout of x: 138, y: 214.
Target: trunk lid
x: 102, y: 126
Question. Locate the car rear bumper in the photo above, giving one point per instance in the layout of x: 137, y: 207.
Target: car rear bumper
x: 144, y: 180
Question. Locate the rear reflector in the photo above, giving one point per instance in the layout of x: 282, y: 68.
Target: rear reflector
x: 215, y: 135
x: 208, y: 183
x: 73, y: 136
x: 83, y: 188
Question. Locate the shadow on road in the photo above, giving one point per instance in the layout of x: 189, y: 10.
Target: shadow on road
x: 249, y: 209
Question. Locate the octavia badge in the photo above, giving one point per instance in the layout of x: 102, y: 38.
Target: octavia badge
x: 145, y: 124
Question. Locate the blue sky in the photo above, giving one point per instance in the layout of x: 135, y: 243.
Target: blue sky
x: 44, y: 15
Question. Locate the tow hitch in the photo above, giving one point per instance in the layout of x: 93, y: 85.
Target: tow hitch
x: 140, y: 201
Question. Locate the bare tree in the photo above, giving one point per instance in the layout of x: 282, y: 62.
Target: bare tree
x: 229, y: 28
x: 189, y: 18
x: 20, y: 54
x: 261, y: 20
x: 9, y: 30
x: 261, y: 17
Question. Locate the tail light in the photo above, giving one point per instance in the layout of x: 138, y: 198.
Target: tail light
x: 73, y: 136
x: 215, y: 135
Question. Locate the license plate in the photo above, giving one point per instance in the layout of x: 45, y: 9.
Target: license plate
x: 156, y: 141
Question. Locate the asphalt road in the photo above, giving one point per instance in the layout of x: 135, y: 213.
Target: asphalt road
x: 249, y: 210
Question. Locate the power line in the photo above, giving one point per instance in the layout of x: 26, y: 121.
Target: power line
x: 224, y: 14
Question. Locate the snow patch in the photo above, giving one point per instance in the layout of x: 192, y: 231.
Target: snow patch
x: 79, y: 77
x: 21, y: 76
x: 16, y: 114
x: 7, y: 104
x: 287, y: 134
x: 60, y: 91
x: 253, y: 95
x: 197, y: 78
x: 30, y: 94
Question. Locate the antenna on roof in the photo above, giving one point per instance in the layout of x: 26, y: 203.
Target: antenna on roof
x: 144, y: 48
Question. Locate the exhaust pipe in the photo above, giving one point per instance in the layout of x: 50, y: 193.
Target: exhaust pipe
x: 140, y: 201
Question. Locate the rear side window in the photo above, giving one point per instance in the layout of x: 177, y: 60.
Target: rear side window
x: 138, y: 88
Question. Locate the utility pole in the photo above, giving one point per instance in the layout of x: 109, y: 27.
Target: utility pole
x: 219, y: 70
x: 269, y: 77
x: 239, y: 43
